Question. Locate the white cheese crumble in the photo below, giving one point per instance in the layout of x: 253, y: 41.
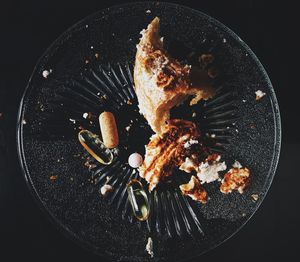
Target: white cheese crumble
x: 210, y: 172
x: 237, y: 164
x: 148, y: 11
x: 190, y: 142
x: 72, y: 120
x: 149, y: 247
x: 85, y: 115
x: 224, y: 40
x: 259, y: 94
x: 46, y: 73
x: 106, y: 189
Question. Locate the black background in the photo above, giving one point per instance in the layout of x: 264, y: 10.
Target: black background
x: 27, y: 28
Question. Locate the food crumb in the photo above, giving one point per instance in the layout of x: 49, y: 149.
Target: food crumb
x: 149, y: 247
x: 106, y: 189
x: 86, y: 26
x: 97, y: 55
x: 72, y: 120
x: 224, y: 40
x: 213, y: 135
x: 85, y: 115
x: 24, y: 122
x: 148, y: 11
x: 46, y: 73
x: 194, y: 114
x: 54, y: 177
x: 259, y: 95
x: 254, y: 197
x: 86, y: 61
x: 92, y: 47
x: 244, y: 101
x: 129, y: 102
x: 127, y: 128
x: 71, y: 178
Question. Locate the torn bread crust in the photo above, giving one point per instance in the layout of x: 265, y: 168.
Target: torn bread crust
x: 162, y: 82
x: 194, y: 190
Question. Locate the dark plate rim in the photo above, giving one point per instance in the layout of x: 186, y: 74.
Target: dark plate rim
x: 19, y: 127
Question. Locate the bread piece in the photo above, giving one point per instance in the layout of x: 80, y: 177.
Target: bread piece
x: 166, y: 152
x: 162, y: 82
x: 194, y: 190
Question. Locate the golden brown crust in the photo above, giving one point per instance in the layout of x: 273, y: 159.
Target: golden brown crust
x: 166, y: 152
x: 194, y: 190
x: 235, y: 179
x: 162, y: 82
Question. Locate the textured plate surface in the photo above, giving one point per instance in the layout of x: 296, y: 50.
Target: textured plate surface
x: 91, y: 71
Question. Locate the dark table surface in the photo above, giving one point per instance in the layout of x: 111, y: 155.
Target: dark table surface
x: 28, y: 27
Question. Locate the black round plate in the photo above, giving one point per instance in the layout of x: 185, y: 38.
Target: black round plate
x: 91, y: 71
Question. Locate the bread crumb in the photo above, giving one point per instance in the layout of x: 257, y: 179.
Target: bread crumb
x: 149, y: 247
x: 46, y: 73
x: 54, y: 177
x: 259, y: 95
x: 106, y: 189
x: 254, y: 197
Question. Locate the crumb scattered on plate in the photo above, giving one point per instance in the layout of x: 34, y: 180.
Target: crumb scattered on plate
x: 106, y: 189
x: 46, y: 73
x: 259, y: 95
x: 194, y: 190
x: 254, y: 197
x: 149, y: 247
x: 235, y: 179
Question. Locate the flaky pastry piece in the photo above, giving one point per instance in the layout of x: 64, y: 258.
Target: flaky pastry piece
x: 162, y: 82
x: 166, y: 152
x: 194, y: 190
x: 235, y: 179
